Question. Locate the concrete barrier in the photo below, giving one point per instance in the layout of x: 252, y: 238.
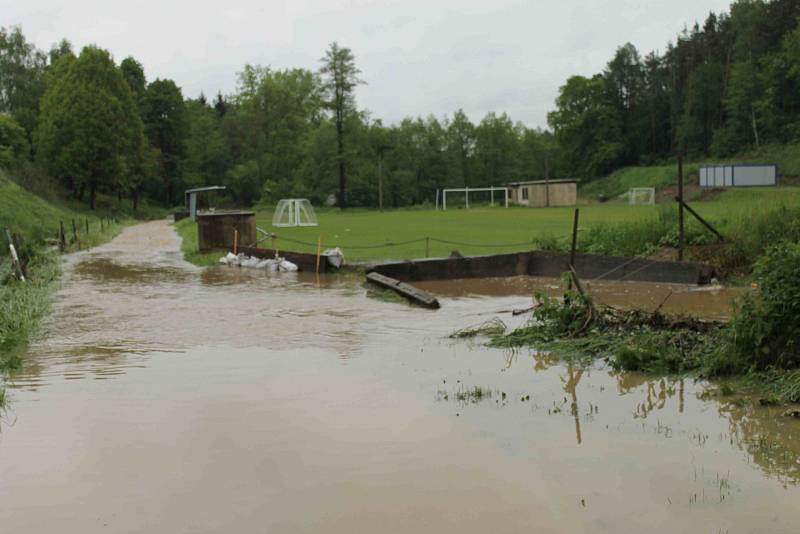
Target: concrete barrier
x: 548, y: 264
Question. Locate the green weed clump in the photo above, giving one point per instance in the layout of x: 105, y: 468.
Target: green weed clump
x: 493, y: 327
x: 765, y: 331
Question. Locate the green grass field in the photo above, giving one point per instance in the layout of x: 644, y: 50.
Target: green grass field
x: 371, y: 235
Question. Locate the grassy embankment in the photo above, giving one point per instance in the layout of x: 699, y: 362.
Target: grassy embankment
x: 36, y: 221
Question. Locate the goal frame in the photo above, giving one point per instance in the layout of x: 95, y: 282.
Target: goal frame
x: 294, y: 208
x: 467, y: 191
x: 634, y: 190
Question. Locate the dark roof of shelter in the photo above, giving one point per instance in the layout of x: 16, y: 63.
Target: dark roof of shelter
x: 542, y: 182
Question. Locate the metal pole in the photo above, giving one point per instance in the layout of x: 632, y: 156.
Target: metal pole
x: 574, y: 239
x: 380, y: 180
x: 492, y: 194
x: 466, y: 195
x: 681, y: 235
x: 437, y: 199
x: 506, y: 195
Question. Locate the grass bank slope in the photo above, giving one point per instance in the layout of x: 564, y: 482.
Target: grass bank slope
x: 786, y: 157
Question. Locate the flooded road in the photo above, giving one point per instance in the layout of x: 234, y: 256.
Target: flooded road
x: 167, y: 398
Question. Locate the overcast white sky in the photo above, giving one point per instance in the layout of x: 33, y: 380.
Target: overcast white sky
x: 417, y: 56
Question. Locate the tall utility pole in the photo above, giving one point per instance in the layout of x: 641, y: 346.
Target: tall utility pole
x: 381, y: 150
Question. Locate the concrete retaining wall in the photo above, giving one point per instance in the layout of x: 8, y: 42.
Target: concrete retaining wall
x: 549, y: 264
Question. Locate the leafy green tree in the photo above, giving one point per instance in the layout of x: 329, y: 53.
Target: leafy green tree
x: 89, y: 129
x: 133, y: 73
x: 460, y: 148
x: 21, y: 69
x: 496, y: 150
x: 207, y: 156
x: 587, y: 126
x: 164, y: 117
x: 273, y: 112
x: 13, y: 141
x: 59, y: 50
x: 339, y: 80
x: 244, y: 183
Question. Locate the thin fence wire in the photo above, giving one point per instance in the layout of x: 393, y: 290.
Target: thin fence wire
x: 392, y: 244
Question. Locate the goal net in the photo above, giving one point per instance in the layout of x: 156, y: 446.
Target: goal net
x: 473, y: 197
x: 642, y: 196
x: 294, y: 212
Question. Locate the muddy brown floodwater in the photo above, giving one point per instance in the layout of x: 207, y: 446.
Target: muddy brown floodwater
x: 167, y: 398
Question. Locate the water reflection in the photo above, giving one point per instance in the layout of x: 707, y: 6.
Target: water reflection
x: 771, y: 440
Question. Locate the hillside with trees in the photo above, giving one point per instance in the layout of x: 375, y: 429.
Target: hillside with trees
x: 724, y: 88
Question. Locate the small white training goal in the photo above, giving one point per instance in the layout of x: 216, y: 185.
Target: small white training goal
x: 294, y: 212
x: 488, y: 195
x: 639, y: 196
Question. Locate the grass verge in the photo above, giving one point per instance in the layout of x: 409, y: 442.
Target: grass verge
x: 187, y: 230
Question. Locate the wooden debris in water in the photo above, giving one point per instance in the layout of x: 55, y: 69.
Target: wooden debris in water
x: 418, y: 296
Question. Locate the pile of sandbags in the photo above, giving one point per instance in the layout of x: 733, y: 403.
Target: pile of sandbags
x: 335, y: 257
x: 250, y: 262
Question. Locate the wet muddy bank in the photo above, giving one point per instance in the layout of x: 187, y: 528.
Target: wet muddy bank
x: 168, y: 397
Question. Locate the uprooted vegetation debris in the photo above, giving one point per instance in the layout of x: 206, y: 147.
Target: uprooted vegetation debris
x: 492, y: 327
x: 759, y: 345
x: 632, y: 340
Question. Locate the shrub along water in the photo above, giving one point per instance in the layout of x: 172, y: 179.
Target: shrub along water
x: 765, y: 333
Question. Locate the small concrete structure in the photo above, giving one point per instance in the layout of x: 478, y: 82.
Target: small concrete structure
x: 217, y: 229
x: 544, y: 193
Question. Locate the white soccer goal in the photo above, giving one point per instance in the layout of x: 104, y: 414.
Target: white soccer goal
x: 642, y: 196
x: 294, y: 212
x: 494, y: 193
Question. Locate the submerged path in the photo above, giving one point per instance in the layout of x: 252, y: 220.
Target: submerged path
x: 167, y: 398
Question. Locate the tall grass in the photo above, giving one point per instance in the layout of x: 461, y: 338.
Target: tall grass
x: 23, y: 305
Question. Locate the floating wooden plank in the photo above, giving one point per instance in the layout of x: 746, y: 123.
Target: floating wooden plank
x: 410, y: 292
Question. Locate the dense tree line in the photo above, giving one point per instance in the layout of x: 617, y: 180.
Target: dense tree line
x: 98, y: 126
x: 723, y: 88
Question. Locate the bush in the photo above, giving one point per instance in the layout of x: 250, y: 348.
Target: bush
x: 766, y: 330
